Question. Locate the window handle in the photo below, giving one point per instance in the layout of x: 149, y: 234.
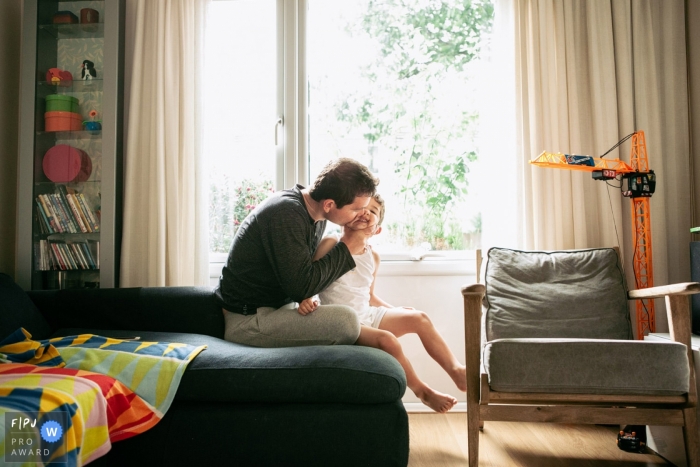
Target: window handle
x: 279, y: 122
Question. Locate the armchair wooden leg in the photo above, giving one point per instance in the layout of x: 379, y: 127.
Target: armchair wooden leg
x: 473, y: 435
x: 690, y: 436
x: 481, y: 425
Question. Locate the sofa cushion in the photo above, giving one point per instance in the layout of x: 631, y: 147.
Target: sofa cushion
x: 577, y: 294
x: 587, y: 366
x: 17, y: 311
x: 229, y: 372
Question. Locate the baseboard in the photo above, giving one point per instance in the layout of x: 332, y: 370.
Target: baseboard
x: 419, y: 407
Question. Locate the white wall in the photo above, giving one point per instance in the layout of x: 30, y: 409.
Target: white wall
x: 10, y: 21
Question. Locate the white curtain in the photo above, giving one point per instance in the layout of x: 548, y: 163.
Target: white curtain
x: 585, y: 74
x: 165, y: 210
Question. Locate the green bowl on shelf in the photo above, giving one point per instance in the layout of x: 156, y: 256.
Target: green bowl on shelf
x: 62, y: 103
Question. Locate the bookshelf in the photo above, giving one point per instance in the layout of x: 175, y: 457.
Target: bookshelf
x: 70, y: 144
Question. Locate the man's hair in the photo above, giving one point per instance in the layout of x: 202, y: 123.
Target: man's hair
x: 380, y: 201
x: 342, y: 180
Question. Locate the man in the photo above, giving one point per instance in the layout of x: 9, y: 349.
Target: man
x: 270, y: 268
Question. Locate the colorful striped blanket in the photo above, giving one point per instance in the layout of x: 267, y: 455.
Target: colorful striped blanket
x: 104, y: 390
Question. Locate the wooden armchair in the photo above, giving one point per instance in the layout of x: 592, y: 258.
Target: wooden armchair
x: 558, y: 347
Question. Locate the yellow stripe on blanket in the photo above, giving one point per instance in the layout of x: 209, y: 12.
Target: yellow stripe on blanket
x: 80, y: 396
x: 19, y: 347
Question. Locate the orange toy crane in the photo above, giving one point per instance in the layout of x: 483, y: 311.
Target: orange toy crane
x: 641, y: 184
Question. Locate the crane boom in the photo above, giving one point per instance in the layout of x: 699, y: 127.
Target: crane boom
x: 583, y: 163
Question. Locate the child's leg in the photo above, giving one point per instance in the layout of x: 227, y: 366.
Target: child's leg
x: 409, y: 320
x: 384, y: 340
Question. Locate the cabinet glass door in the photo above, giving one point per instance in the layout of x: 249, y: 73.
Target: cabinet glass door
x: 68, y: 144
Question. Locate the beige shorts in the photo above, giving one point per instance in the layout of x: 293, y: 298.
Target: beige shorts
x: 285, y: 327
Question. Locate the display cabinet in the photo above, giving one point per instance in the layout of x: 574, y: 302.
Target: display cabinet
x: 70, y: 144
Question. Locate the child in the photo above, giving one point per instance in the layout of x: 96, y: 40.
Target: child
x: 381, y: 323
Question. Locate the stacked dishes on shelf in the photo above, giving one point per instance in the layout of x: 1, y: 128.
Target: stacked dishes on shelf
x: 62, y: 113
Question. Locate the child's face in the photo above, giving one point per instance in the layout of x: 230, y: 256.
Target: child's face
x: 368, y: 219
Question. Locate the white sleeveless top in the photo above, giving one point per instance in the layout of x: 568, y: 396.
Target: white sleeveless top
x: 352, y: 288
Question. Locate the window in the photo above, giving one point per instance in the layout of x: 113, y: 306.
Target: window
x: 391, y: 83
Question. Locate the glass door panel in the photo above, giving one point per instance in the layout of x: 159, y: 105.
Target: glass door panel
x: 240, y: 113
x: 393, y: 85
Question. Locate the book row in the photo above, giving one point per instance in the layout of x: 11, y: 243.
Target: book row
x: 65, y: 256
x: 64, y: 212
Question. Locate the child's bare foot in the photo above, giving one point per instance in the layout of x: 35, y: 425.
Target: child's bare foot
x: 437, y: 401
x: 459, y: 376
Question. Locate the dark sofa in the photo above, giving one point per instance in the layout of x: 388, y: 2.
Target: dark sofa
x: 236, y: 405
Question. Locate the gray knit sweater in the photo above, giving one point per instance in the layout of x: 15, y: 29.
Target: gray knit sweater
x: 270, y: 261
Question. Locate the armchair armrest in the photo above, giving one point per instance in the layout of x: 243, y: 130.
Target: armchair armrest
x: 473, y: 296
x: 678, y: 313
x: 684, y: 288
x: 478, y: 289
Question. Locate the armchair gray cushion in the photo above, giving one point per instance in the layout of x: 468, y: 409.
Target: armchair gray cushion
x: 564, y: 294
x: 587, y: 366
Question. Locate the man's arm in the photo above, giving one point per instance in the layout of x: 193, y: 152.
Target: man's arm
x: 286, y: 242
x: 324, y: 247
x: 373, y: 299
x: 309, y: 305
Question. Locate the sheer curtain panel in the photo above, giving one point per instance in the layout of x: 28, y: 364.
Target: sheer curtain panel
x: 165, y: 213
x: 586, y: 74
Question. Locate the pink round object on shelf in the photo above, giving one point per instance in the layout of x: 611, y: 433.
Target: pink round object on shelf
x: 63, y: 163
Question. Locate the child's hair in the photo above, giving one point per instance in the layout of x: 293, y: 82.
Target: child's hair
x: 378, y: 198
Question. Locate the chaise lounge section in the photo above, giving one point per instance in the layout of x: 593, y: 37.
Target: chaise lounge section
x: 240, y: 405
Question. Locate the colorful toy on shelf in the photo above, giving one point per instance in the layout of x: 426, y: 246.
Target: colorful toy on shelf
x: 62, y: 103
x: 88, y: 70
x: 62, y: 121
x: 93, y: 126
x: 59, y: 77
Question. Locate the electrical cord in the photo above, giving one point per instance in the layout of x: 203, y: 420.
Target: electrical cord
x: 614, y: 186
x: 617, y: 236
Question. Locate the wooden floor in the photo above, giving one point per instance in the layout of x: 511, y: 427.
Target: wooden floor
x: 441, y: 441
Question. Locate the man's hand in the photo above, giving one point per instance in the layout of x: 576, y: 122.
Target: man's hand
x: 307, y: 306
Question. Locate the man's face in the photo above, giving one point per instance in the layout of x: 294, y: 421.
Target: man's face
x: 349, y: 212
x: 368, y: 219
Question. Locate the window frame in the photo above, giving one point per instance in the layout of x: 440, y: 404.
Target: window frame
x: 291, y: 127
x: 292, y: 93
